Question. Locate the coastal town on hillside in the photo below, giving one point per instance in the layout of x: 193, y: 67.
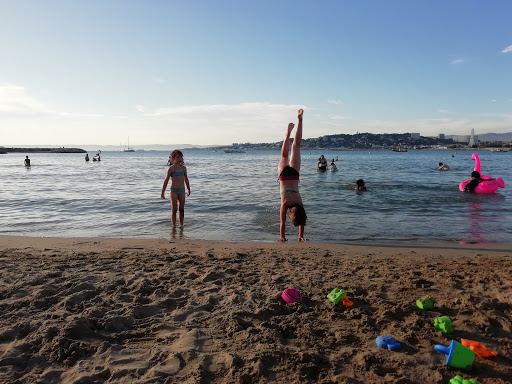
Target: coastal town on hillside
x: 399, y: 142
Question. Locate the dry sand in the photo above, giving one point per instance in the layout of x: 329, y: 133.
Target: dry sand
x: 154, y: 311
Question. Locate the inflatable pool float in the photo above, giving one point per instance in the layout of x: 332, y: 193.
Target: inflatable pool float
x: 488, y: 185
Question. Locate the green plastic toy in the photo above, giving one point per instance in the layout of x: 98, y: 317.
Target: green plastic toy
x: 425, y: 303
x: 457, y: 355
x: 336, y: 295
x: 443, y: 324
x: 461, y: 380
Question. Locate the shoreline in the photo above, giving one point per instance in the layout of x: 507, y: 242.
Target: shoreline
x: 157, y: 310
x: 150, y: 243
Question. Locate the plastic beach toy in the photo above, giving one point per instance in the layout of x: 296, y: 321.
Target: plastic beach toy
x: 425, y: 303
x: 461, y: 380
x: 387, y: 342
x: 478, y: 348
x: 291, y: 296
x: 457, y: 355
x: 338, y: 295
x: 443, y: 324
x: 488, y: 186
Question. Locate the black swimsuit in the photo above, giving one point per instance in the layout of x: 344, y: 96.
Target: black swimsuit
x: 289, y: 173
x: 471, y: 185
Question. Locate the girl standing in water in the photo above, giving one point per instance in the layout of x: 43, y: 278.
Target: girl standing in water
x: 179, y: 178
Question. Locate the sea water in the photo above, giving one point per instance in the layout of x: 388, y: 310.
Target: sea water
x: 235, y: 197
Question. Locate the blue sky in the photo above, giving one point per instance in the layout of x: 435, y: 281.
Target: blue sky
x: 217, y: 72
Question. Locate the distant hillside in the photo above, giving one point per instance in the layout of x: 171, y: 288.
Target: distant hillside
x: 489, y: 136
x: 495, y: 136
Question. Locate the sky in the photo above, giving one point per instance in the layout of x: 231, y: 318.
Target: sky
x: 218, y: 72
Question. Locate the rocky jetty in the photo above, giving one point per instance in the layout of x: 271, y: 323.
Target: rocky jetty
x: 43, y: 150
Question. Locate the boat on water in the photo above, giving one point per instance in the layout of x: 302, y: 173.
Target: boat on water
x: 127, y: 148
x: 399, y: 149
x: 234, y: 151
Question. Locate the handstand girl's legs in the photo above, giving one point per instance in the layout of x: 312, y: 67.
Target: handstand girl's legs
x: 295, y: 157
x: 285, y: 149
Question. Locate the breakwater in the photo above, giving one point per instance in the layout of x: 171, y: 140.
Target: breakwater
x: 42, y: 150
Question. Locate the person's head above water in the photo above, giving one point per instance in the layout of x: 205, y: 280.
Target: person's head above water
x: 360, y: 183
x: 475, y: 174
x: 297, y: 215
x: 441, y: 164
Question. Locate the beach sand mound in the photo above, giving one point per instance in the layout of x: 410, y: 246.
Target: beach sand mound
x: 154, y: 311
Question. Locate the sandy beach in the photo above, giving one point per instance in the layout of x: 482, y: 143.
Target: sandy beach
x: 160, y: 311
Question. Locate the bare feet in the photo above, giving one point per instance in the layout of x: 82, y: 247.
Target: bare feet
x: 303, y: 239
x: 290, y: 129
x: 283, y: 240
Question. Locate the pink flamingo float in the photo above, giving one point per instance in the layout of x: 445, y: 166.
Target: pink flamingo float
x: 489, y: 185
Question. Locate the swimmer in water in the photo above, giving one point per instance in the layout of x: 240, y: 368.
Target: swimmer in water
x: 359, y: 185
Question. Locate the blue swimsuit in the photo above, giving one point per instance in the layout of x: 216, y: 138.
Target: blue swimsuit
x: 178, y: 191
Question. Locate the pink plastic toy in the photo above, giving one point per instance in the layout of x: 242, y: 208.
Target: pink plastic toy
x: 489, y: 186
x: 291, y: 296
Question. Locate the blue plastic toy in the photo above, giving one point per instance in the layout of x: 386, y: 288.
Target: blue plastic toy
x: 387, y: 342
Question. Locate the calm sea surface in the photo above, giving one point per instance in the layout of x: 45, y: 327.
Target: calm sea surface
x: 235, y: 197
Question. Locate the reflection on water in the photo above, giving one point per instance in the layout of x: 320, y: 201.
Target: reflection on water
x: 484, y: 217
x: 177, y: 232
x: 475, y: 225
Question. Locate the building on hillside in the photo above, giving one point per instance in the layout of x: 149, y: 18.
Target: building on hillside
x: 472, y: 138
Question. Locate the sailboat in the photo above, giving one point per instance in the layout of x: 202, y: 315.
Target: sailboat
x: 128, y: 149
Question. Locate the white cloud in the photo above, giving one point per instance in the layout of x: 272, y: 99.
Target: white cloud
x: 458, y: 61
x: 14, y: 100
x: 158, y: 79
x: 225, y: 123
x: 335, y: 101
x: 444, y: 111
x: 507, y: 50
x: 257, y: 114
x: 261, y: 110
